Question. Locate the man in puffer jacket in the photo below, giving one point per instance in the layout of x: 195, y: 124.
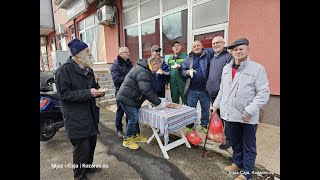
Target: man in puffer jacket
x: 244, y: 89
x: 135, y: 89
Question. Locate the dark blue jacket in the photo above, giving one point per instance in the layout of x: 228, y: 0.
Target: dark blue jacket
x: 160, y: 80
x: 216, y: 65
x: 119, y: 70
x: 187, y: 64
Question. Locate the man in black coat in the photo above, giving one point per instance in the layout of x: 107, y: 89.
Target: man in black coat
x: 77, y: 89
x: 136, y: 88
x: 119, y: 69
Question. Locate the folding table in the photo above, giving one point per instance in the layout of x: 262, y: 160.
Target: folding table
x: 166, y: 121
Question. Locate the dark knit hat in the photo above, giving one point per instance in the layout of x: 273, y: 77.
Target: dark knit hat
x: 238, y: 42
x: 76, y: 46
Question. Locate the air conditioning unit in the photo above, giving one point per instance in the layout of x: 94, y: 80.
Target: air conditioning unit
x: 61, y: 29
x: 43, y: 40
x: 106, y: 15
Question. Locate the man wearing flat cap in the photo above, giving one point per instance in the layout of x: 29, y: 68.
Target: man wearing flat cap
x: 77, y: 90
x: 160, y: 79
x: 244, y: 89
x: 177, y: 81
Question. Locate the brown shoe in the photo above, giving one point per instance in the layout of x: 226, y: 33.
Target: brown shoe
x: 240, y: 177
x: 232, y: 167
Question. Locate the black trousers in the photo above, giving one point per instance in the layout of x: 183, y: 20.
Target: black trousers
x: 83, y: 151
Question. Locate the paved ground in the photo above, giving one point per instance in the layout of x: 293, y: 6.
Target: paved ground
x: 122, y: 163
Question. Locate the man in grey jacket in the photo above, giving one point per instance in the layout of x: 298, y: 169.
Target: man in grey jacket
x: 219, y: 60
x: 244, y: 89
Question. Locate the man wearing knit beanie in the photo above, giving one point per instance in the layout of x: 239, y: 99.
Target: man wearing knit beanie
x: 78, y: 89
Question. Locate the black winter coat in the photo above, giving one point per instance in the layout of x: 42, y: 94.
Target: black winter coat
x: 137, y: 86
x: 119, y: 70
x: 81, y: 115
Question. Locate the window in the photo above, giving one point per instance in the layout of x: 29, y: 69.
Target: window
x: 206, y: 39
x: 174, y: 27
x: 53, y: 46
x: 130, y: 17
x: 73, y: 32
x: 150, y: 9
x: 170, y: 4
x: 62, y: 42
x: 132, y: 42
x: 150, y: 35
x: 93, y: 34
x: 210, y: 13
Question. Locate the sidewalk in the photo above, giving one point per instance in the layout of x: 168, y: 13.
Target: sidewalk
x: 268, y: 145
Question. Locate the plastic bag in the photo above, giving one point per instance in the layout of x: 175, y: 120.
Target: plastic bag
x: 216, y: 131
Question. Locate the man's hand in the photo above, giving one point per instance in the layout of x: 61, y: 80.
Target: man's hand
x: 245, y: 118
x: 178, y: 66
x: 167, y: 87
x: 213, y: 109
x: 95, y: 92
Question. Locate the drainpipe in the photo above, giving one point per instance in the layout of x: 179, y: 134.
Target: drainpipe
x: 75, y: 30
x: 54, y: 26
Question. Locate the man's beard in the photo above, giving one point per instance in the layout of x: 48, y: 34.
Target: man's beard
x: 87, y: 60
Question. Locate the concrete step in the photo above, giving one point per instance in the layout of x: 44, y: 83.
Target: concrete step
x: 107, y: 96
x: 106, y: 78
x: 107, y: 102
x: 103, y: 83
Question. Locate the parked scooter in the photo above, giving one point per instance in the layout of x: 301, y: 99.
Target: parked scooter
x: 51, y: 119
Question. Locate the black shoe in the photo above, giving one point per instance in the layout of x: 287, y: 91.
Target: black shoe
x: 225, y: 146
x: 93, y: 170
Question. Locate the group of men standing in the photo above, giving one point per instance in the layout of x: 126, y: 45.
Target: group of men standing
x: 231, y: 83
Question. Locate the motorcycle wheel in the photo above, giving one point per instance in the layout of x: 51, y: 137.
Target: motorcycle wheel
x: 45, y: 134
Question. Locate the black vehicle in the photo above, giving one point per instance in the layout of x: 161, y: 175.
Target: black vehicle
x: 51, y: 119
x: 46, y: 81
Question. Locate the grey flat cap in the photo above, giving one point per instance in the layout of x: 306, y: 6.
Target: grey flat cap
x: 238, y: 42
x: 155, y: 48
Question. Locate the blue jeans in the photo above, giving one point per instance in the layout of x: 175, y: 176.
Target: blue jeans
x: 119, y: 116
x: 133, y: 120
x: 243, y: 138
x: 204, y: 98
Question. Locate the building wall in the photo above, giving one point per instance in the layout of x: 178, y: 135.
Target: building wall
x: 259, y: 21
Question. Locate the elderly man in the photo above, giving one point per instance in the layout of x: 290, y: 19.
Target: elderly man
x: 77, y: 89
x: 160, y: 79
x: 135, y: 89
x: 219, y: 60
x: 177, y: 81
x: 243, y: 91
x: 196, y: 69
x: 119, y: 69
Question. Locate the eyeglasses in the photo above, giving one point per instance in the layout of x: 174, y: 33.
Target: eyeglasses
x: 158, y: 51
x: 126, y: 52
x: 216, y: 42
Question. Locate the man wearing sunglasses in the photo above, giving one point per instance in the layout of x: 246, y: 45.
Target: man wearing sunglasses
x: 160, y: 79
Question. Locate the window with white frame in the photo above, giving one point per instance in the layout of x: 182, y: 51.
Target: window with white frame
x: 163, y: 21
x: 62, y: 42
x: 88, y: 34
x: 73, y: 32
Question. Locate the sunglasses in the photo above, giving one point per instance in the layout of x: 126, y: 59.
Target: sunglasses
x: 158, y: 50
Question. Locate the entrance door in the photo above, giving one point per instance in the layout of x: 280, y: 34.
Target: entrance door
x: 206, y: 35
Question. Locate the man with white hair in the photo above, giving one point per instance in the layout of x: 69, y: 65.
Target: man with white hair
x: 119, y: 69
x: 78, y: 89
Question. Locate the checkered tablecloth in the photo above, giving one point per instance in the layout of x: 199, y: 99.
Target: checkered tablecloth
x: 168, y: 119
